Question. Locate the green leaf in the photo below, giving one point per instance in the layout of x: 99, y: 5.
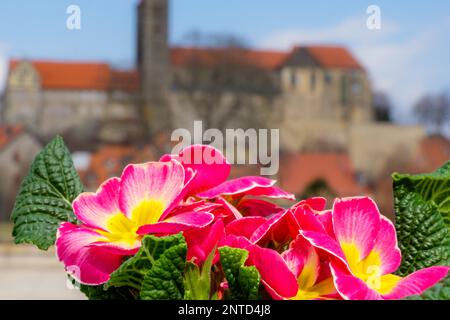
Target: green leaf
x: 164, y: 281
x: 433, y: 187
x: 102, y: 293
x: 45, y: 196
x: 422, y: 221
x: 243, y: 281
x: 197, y: 280
x: 132, y: 272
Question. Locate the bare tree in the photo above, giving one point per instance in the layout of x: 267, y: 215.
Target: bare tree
x: 434, y: 111
x: 382, y: 107
x: 226, y: 87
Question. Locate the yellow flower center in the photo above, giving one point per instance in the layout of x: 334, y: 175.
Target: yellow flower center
x: 121, y: 229
x: 369, y: 269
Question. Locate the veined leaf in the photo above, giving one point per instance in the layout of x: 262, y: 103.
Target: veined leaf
x: 132, y: 272
x: 422, y: 206
x: 164, y: 281
x: 45, y: 196
x: 243, y: 281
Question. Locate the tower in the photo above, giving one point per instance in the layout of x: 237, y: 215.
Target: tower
x: 153, y: 63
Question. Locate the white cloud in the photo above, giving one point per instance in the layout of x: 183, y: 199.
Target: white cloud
x: 397, y: 64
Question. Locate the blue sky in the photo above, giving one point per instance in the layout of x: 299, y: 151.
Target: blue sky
x: 409, y: 56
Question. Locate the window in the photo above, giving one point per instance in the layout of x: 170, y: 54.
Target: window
x: 293, y: 79
x: 313, y: 81
x: 327, y: 78
x: 344, y: 90
x: 356, y: 87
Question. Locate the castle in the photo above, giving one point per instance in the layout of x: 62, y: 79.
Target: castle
x: 320, y: 97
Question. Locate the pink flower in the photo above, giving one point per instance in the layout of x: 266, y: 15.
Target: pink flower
x: 211, y: 170
x: 115, y: 218
x: 284, y: 227
x: 201, y: 242
x: 297, y: 274
x: 364, y: 246
x: 247, y: 186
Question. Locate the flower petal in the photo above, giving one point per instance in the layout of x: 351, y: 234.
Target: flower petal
x: 257, y: 207
x: 87, y: 264
x: 200, y: 242
x: 416, y: 283
x: 356, y: 221
x: 211, y: 167
x: 178, y: 223
x: 94, y: 209
x: 160, y: 182
x: 252, y: 186
x: 235, y: 242
x: 386, y: 247
x: 325, y: 242
x: 245, y: 226
x: 351, y: 287
x: 283, y: 281
x: 315, y: 203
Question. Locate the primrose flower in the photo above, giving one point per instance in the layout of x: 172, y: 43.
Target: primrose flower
x: 212, y: 169
x: 202, y: 241
x: 299, y: 272
x: 114, y: 219
x: 364, y: 246
x: 284, y: 226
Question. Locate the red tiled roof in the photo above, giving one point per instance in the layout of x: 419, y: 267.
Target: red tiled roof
x: 8, y: 134
x: 100, y: 76
x: 434, y: 152
x: 298, y: 172
x: 82, y: 76
x: 109, y: 161
x: 333, y: 57
x: 327, y: 56
x: 269, y: 60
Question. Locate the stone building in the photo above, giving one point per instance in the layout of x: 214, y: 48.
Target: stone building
x: 320, y: 97
x: 17, y: 150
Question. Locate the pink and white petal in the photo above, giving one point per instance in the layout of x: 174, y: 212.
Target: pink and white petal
x: 162, y: 181
x: 295, y: 259
x: 235, y: 242
x: 229, y: 209
x: 316, y: 203
x: 88, y: 265
x: 356, y: 221
x: 387, y: 248
x: 308, y: 220
x: 283, y: 281
x: 416, y: 283
x: 178, y: 223
x: 326, y: 218
x: 94, y: 209
x: 351, y: 287
x: 211, y: 167
x: 236, y: 186
x: 245, y: 226
x: 324, y: 242
x: 251, y: 185
x: 200, y: 242
x: 264, y: 231
x: 270, y: 192
x: 120, y: 248
x: 257, y: 207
